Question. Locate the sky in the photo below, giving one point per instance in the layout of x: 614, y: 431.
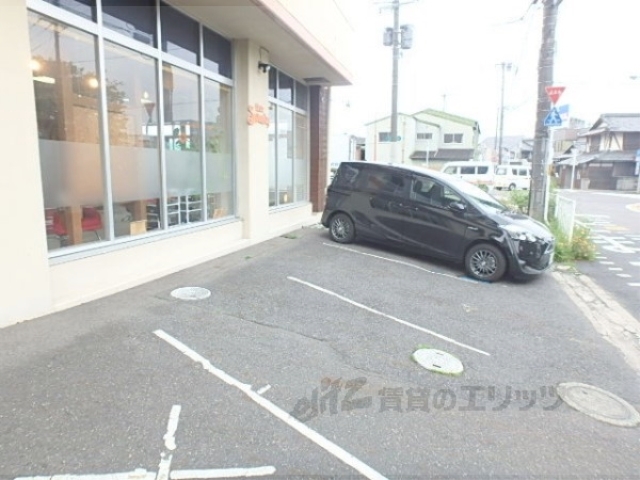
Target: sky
x: 458, y: 44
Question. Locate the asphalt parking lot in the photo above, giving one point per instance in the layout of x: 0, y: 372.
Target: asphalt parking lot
x: 299, y: 366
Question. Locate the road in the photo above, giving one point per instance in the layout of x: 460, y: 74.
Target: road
x: 144, y: 383
x: 614, y: 220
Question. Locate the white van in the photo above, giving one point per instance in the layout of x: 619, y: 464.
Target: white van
x: 512, y: 177
x: 478, y: 173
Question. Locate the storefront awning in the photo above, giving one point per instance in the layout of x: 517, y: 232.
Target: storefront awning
x: 291, y: 47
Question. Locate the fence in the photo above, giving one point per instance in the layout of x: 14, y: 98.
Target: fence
x: 565, y: 214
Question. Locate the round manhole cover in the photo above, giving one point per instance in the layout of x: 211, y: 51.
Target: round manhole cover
x: 191, y: 293
x: 599, y: 404
x: 438, y: 361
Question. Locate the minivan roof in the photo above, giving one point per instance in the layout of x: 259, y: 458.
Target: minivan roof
x: 404, y: 168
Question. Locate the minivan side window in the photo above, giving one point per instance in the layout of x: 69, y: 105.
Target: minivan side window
x: 384, y: 182
x: 468, y: 170
x: 347, y: 175
x: 428, y: 191
x: 450, y: 170
x: 483, y: 170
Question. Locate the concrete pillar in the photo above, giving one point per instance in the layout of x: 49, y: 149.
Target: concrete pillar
x: 319, y: 141
x: 252, y: 139
x: 25, y: 290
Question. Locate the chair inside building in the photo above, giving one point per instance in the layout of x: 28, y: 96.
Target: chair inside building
x: 56, y: 224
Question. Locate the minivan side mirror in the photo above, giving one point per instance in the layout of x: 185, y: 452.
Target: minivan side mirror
x: 457, y: 207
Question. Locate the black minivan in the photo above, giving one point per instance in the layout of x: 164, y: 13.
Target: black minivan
x: 436, y: 214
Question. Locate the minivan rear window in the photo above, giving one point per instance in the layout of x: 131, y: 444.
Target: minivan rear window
x: 347, y: 175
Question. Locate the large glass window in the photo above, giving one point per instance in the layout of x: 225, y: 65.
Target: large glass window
x: 140, y: 91
x: 137, y: 20
x: 217, y: 53
x: 132, y: 97
x: 301, y: 165
x: 285, y: 88
x: 273, y: 156
x: 288, y: 140
x: 284, y: 130
x: 219, y: 149
x: 180, y: 34
x: 84, y: 8
x: 182, y: 138
x: 66, y: 86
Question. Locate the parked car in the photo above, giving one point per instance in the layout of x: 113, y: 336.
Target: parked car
x: 436, y: 214
x: 477, y: 173
x: 512, y: 177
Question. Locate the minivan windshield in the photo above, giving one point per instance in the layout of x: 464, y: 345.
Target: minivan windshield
x: 479, y: 196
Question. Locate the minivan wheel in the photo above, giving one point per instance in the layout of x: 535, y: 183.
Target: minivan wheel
x: 485, y: 262
x: 512, y: 187
x: 341, y: 228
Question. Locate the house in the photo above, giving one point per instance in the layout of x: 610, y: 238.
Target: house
x: 429, y: 138
x: 608, y: 159
x: 139, y: 141
x: 515, y: 149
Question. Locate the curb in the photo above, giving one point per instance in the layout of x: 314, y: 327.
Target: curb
x: 609, y: 318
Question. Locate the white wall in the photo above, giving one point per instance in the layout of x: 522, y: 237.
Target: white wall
x: 25, y: 283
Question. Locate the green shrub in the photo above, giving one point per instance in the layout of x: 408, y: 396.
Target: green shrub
x: 581, y: 247
x: 518, y: 200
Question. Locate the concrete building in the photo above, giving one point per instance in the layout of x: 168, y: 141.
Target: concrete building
x: 429, y: 138
x: 141, y: 140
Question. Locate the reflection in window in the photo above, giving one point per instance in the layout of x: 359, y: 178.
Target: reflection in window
x: 217, y: 53
x: 300, y: 161
x: 84, y: 8
x: 182, y: 137
x: 66, y: 87
x: 273, y: 82
x: 273, y: 158
x: 285, y: 88
x: 219, y: 150
x: 302, y: 96
x: 284, y: 129
x: 180, y: 34
x: 137, y: 21
x: 133, y: 133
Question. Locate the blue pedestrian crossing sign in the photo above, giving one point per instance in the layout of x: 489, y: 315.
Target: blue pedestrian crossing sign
x: 553, y: 119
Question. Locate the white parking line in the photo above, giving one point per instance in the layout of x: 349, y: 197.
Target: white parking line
x: 623, y: 275
x: 615, y: 269
x: 170, y: 437
x: 634, y: 284
x: 607, y: 263
x: 294, y: 423
x: 400, y: 262
x: 635, y: 264
x: 222, y: 473
x: 377, y: 312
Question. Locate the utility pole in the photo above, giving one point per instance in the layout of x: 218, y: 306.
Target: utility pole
x: 504, y: 66
x: 398, y: 36
x: 394, y: 78
x: 542, y: 136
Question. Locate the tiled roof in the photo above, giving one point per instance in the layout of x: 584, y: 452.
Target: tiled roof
x: 617, y: 122
x: 448, y: 116
x: 453, y: 154
x: 620, y: 156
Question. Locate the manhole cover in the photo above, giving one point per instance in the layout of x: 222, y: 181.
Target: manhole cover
x: 438, y: 361
x: 599, y: 404
x: 191, y: 293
